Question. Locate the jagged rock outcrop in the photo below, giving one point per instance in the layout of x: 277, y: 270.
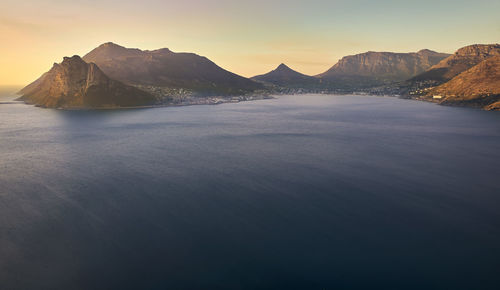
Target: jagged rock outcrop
x: 378, y: 68
x: 478, y: 86
x: 164, y: 68
x: 77, y: 84
x: 284, y: 76
x: 462, y: 60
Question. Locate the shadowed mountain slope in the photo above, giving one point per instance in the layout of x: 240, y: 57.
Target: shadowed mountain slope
x: 286, y: 77
x: 164, y: 68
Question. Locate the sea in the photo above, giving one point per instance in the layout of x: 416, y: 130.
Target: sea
x: 296, y: 192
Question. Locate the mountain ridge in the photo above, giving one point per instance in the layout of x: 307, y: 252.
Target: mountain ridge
x: 164, y: 68
x: 478, y: 86
x: 378, y: 68
x: 462, y: 60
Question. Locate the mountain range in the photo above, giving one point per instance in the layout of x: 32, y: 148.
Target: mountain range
x: 114, y: 76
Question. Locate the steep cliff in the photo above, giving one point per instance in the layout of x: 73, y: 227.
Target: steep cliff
x: 377, y: 68
x: 77, y: 84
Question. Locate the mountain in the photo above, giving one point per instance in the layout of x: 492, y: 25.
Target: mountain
x: 462, y: 60
x: 286, y: 77
x: 377, y: 68
x: 77, y: 84
x: 478, y: 86
x: 164, y: 68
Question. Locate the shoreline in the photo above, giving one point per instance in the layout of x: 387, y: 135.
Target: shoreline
x: 202, y: 101
x: 212, y: 101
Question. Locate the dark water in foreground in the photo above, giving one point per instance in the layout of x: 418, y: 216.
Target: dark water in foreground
x: 302, y: 192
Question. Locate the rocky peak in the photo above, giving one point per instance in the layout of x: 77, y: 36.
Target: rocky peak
x: 285, y: 76
x: 110, y: 45
x: 426, y: 51
x: 479, y: 50
x: 73, y: 61
x: 161, y: 51
x: 110, y: 50
x: 283, y: 68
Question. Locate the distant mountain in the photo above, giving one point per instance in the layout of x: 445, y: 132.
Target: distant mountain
x: 77, y: 84
x: 286, y: 77
x: 378, y: 68
x: 478, y: 86
x: 164, y: 68
x: 462, y: 60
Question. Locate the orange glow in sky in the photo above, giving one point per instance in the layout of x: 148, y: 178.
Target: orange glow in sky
x: 247, y: 38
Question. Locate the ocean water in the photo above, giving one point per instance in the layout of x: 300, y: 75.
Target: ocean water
x: 298, y: 192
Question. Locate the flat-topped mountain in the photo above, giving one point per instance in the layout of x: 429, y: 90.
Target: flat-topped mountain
x: 286, y: 77
x: 376, y: 68
x: 478, y: 86
x: 164, y: 68
x: 77, y: 84
x: 462, y: 60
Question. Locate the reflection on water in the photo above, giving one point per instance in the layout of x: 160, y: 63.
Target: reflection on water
x: 301, y: 192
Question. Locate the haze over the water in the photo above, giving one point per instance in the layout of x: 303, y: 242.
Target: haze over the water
x: 246, y: 37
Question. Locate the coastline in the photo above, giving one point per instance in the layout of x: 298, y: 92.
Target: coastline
x: 210, y: 101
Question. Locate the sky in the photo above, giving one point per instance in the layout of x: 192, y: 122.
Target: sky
x: 245, y: 37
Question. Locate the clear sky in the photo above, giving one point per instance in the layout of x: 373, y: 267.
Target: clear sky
x: 246, y: 37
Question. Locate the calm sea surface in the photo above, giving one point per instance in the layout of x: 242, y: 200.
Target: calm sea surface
x: 299, y: 192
